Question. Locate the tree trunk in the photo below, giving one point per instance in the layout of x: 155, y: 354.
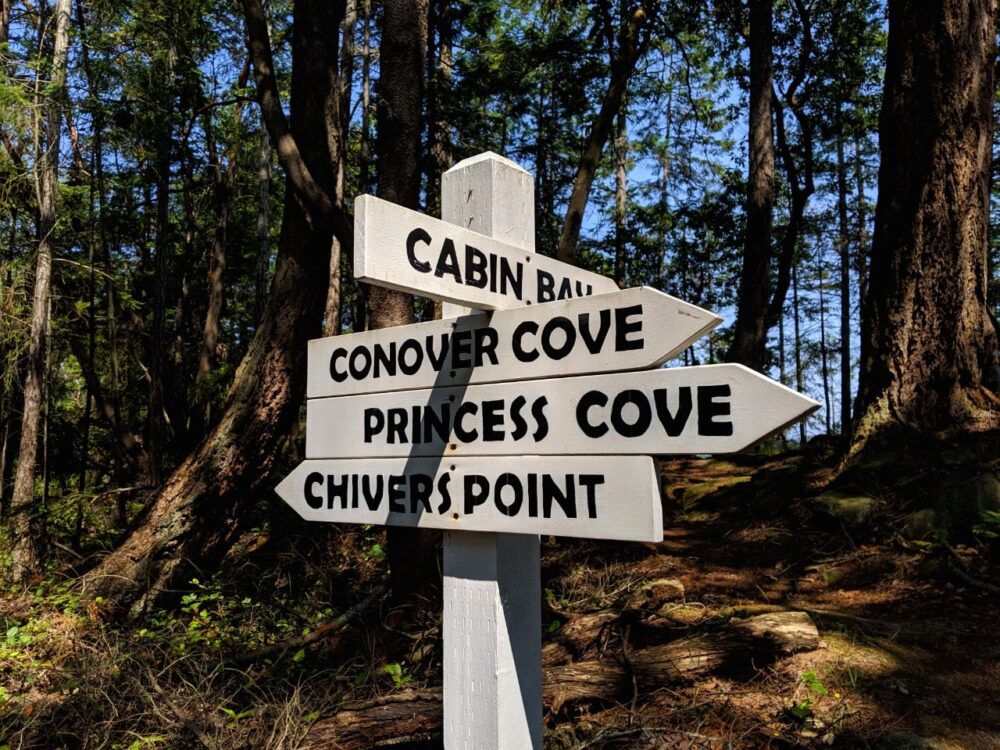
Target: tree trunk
x: 338, y: 146
x: 263, y: 265
x: 631, y: 43
x: 199, y: 511
x: 800, y: 383
x: 929, y: 350
x: 621, y: 197
x: 861, y: 259
x: 412, y: 552
x: 750, y: 329
x: 24, y: 555
x: 843, y: 248
x: 824, y: 360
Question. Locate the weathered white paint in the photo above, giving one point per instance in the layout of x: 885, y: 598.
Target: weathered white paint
x: 615, y: 498
x: 449, y: 254
x: 492, y: 623
x: 631, y: 329
x: 728, y: 408
x: 708, y: 409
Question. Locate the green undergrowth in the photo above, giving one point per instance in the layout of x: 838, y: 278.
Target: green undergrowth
x: 226, y: 662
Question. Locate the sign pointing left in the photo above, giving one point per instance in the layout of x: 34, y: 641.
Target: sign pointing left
x: 617, y: 498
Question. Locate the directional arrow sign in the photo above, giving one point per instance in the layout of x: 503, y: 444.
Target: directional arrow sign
x: 709, y: 409
x: 623, y: 330
x: 402, y: 249
x: 617, y: 498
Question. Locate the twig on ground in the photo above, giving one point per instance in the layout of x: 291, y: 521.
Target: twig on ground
x: 320, y: 632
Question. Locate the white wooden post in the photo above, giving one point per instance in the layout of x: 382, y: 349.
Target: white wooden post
x: 492, y: 582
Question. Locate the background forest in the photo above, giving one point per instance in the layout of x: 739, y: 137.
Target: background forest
x: 176, y: 180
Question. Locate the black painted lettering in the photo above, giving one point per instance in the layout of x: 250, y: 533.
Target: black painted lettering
x: 541, y: 422
x: 448, y: 261
x: 385, y: 361
x: 337, y: 375
x: 558, y: 323
x: 437, y: 360
x: 518, y: 344
x: 336, y: 489
x: 360, y: 369
x: 511, y: 278
x: 475, y: 267
x: 674, y: 423
x: 511, y: 481
x: 416, y: 424
x: 565, y: 289
x: 437, y: 425
x: 396, y: 493
x: 313, y: 500
x: 533, y: 495
x: 461, y: 352
x: 709, y: 409
x: 486, y: 345
x: 520, y: 425
x: 372, y: 494
x: 417, y: 235
x: 416, y: 357
x: 552, y: 492
x: 464, y: 435
x: 589, y: 400
x: 374, y: 422
x: 643, y: 418
x: 493, y: 420
x: 546, y: 286
x: 396, y: 431
x: 595, y: 342
x: 590, y: 483
x: 420, y: 492
x: 624, y: 327
x: 445, y: 504
x: 477, y: 488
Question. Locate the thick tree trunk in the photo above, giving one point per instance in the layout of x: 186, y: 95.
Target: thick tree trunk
x: 929, y: 350
x: 24, y: 556
x: 750, y: 329
x: 631, y: 43
x: 199, y: 511
x: 263, y: 264
x: 412, y: 552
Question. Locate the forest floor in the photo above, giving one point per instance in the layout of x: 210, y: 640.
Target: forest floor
x: 645, y: 645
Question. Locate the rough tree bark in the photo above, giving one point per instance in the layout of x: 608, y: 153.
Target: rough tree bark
x: 412, y: 553
x: 24, y: 555
x: 750, y: 329
x: 929, y: 350
x: 632, y: 42
x: 758, y: 312
x: 338, y: 149
x: 197, y: 514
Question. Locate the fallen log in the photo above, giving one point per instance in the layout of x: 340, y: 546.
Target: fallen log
x: 415, y: 715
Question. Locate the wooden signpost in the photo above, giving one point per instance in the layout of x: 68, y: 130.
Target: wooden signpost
x: 486, y: 425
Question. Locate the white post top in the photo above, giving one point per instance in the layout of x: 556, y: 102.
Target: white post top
x: 492, y: 195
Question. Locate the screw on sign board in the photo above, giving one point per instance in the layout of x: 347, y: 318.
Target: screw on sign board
x: 497, y: 427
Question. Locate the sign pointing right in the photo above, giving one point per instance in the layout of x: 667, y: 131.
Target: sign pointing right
x: 707, y: 409
x: 630, y: 329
